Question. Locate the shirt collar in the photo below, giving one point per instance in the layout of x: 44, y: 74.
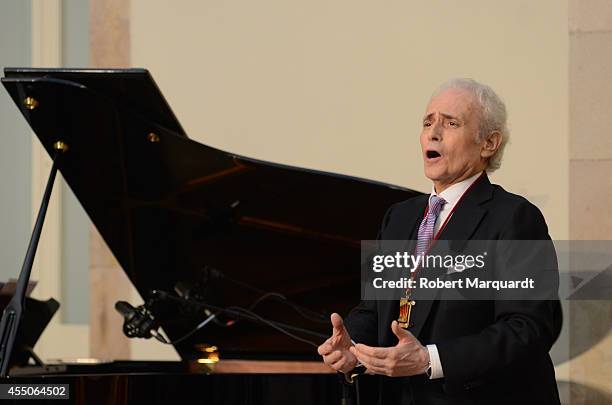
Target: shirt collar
x: 453, y: 193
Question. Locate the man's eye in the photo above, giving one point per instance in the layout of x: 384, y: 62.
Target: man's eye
x: 453, y: 123
x: 426, y: 124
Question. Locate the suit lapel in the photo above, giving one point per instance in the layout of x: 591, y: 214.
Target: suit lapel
x: 460, y: 227
x: 469, y: 213
x: 416, y: 217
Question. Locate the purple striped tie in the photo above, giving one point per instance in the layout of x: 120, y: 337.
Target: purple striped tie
x: 426, y: 229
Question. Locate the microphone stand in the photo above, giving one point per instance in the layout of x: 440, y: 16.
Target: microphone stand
x: 11, y: 317
x: 346, y: 391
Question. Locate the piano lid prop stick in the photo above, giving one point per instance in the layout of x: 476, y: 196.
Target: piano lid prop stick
x: 11, y: 317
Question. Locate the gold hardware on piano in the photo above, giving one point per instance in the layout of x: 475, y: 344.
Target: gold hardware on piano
x: 30, y: 103
x: 60, y: 146
x: 153, y: 137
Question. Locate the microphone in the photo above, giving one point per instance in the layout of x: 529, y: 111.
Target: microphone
x: 138, y: 322
x: 126, y: 310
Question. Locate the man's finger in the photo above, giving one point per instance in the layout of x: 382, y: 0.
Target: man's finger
x: 340, y: 364
x: 337, y: 323
x: 324, y: 349
x: 372, y: 369
x: 333, y: 357
x: 377, y: 352
x: 402, y: 334
x: 367, y: 359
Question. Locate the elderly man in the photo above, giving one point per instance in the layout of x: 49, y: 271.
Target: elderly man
x: 458, y: 352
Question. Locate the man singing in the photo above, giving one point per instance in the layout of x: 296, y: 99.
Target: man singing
x: 456, y: 352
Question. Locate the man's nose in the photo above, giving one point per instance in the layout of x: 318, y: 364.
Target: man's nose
x: 435, y: 133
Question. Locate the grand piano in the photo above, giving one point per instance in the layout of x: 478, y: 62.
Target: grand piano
x: 270, y: 249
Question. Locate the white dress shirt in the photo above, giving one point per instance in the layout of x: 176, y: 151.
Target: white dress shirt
x: 451, y: 195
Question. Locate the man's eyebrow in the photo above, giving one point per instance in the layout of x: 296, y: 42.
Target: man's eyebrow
x: 445, y: 115
x: 449, y: 116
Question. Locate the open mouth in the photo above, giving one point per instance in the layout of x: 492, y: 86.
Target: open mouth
x: 432, y: 154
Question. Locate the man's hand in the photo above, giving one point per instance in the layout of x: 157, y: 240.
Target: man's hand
x: 335, y: 350
x: 406, y: 358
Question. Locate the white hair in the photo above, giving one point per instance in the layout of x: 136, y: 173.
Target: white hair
x: 493, y: 114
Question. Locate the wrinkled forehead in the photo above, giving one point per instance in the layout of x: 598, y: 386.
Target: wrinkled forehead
x: 456, y: 102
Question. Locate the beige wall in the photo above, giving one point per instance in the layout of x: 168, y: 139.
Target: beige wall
x: 341, y: 85
x: 590, y: 83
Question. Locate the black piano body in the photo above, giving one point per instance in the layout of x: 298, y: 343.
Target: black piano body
x: 171, y: 209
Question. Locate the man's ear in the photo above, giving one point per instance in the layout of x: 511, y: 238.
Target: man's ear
x: 491, y: 144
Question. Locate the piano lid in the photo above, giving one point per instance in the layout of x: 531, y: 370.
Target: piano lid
x: 168, y: 207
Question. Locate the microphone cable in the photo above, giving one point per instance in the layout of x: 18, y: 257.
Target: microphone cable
x: 311, y: 315
x: 191, y: 332
x: 275, y: 326
x: 245, y: 313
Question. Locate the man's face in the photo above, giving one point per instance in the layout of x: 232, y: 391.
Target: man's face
x: 449, y: 142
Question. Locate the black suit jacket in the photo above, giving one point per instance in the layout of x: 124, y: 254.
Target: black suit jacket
x: 492, y: 352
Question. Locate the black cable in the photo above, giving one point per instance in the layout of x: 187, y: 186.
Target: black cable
x: 194, y: 330
x: 273, y: 325
x: 265, y: 297
x: 312, y: 316
x: 281, y: 327
x: 243, y: 311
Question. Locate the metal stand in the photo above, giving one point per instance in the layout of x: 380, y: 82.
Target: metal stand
x: 11, y: 317
x: 346, y: 396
